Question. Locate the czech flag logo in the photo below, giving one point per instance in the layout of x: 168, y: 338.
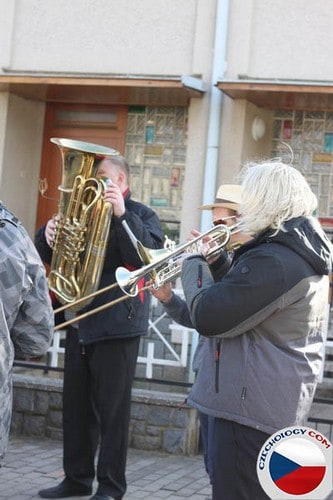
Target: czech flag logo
x: 296, y: 462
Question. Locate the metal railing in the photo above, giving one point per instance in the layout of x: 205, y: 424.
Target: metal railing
x: 185, y: 344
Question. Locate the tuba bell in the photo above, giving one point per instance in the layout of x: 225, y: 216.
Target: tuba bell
x: 83, y: 223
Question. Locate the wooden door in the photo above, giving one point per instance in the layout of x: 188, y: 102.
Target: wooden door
x: 104, y: 125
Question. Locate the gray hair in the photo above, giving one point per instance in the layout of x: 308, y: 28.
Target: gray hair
x: 273, y: 193
x: 121, y: 163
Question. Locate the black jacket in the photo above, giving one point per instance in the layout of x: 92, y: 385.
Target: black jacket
x: 130, y: 317
x: 265, y: 324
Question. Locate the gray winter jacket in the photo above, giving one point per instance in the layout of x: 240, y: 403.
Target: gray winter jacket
x: 26, y: 314
x: 177, y: 307
x: 265, y: 323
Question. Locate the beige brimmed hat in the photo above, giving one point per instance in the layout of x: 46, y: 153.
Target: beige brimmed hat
x: 227, y: 196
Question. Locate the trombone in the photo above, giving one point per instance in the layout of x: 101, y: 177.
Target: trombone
x: 168, y: 268
x: 162, y: 266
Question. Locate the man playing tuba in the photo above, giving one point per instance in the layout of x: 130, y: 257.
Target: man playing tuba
x: 101, y: 352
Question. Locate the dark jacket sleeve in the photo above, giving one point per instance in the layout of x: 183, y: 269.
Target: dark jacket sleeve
x: 43, y: 248
x: 177, y: 309
x: 230, y: 306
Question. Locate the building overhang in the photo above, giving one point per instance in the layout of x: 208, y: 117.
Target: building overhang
x: 280, y: 94
x: 104, y: 89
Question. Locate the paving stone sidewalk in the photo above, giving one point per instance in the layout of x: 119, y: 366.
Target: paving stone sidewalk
x: 33, y: 464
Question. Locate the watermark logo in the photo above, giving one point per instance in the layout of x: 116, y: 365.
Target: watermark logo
x: 296, y: 462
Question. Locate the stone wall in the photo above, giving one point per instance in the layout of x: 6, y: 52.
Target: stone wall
x: 159, y: 420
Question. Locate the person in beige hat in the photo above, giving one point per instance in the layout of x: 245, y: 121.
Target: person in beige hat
x: 224, y: 211
x: 227, y: 196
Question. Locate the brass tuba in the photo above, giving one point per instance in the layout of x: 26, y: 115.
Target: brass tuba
x: 83, y: 223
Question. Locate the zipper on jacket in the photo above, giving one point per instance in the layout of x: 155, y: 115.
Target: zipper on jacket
x: 199, y: 278
x: 217, y: 364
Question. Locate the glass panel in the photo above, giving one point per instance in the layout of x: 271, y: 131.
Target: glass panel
x: 298, y: 121
x: 283, y: 113
x: 90, y: 117
x: 315, y: 115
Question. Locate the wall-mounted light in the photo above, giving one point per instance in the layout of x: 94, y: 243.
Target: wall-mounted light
x: 258, y: 128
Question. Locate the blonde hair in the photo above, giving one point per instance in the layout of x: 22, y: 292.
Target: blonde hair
x: 272, y: 194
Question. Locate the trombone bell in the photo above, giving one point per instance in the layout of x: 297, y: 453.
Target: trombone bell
x: 127, y: 281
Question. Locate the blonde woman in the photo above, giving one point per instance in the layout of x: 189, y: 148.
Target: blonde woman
x: 264, y: 322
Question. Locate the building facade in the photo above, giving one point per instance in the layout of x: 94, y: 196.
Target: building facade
x: 187, y: 91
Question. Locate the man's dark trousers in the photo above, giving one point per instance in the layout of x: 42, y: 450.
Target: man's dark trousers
x: 96, y: 410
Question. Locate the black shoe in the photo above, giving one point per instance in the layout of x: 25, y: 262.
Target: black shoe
x: 99, y: 496
x: 66, y: 489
